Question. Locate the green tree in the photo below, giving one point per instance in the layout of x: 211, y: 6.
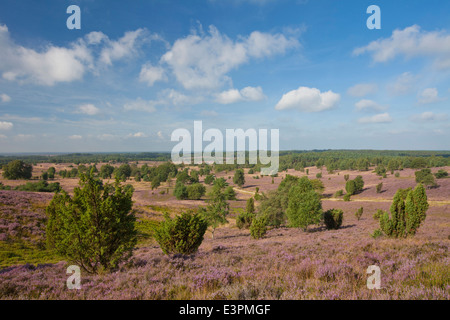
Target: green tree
x: 425, y: 177
x: 209, y: 179
x: 123, y: 172
x: 17, y: 169
x: 239, y: 178
x: 350, y: 187
x: 304, y: 208
x: 379, y: 187
x: 95, y: 228
x: 333, y: 218
x: 106, y: 171
x: 195, y: 191
x: 51, y: 172
x: 441, y: 174
x: 230, y: 194
x: 258, y: 228
x: 215, y: 214
x: 180, y: 191
x: 359, y: 213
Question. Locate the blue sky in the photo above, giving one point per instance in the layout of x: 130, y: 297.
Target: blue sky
x: 138, y: 70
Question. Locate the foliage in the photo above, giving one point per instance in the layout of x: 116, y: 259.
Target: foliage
x: 258, y: 229
x: 425, y: 177
x: 339, y: 193
x: 239, y: 178
x: 106, y: 171
x: 333, y: 218
x: 215, y: 214
x: 377, y: 215
x: 379, y: 187
x: 209, y: 179
x: 408, y: 211
x: 181, y: 235
x: 441, y: 174
x: 41, y: 186
x: 377, y: 233
x: 304, y: 207
x: 244, y: 220
x: 195, y: 191
x: 347, y: 197
x: 17, y: 169
x: 359, y: 213
x: 95, y: 228
x: 319, y: 175
x: 180, y: 191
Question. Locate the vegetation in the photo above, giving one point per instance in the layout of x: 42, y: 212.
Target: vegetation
x: 17, y: 169
x: 95, y: 228
x: 441, y: 174
x: 408, y: 211
x: 239, y: 178
x: 258, y: 229
x: 379, y: 187
x: 425, y: 177
x: 181, y: 235
x: 333, y: 219
x: 359, y: 213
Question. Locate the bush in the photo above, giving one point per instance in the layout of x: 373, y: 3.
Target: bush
x: 333, y: 218
x: 209, y: 179
x: 376, y: 234
x: 397, y: 174
x: 441, y: 174
x: 319, y: 175
x: 377, y: 215
x: 244, y: 220
x: 239, y: 178
x: 408, y: 211
x: 180, y: 191
x: 41, y: 186
x: 181, y: 235
x: 258, y: 229
x: 350, y: 187
x: 339, y: 193
x: 195, y: 191
x: 230, y: 194
x: 359, y: 213
x: 379, y: 187
x: 346, y: 177
x: 95, y: 228
x: 347, y: 197
x: 425, y: 177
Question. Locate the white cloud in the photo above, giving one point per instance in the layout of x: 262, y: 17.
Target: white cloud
x: 369, y: 105
x: 411, y: 42
x: 141, y: 105
x: 379, y: 118
x: 137, y: 135
x: 4, y: 125
x: 362, y: 89
x: 203, y: 61
x: 151, y: 74
x: 173, y: 97
x: 246, y: 94
x: 160, y: 135
x: 106, y: 137
x: 75, y: 137
x: 428, y: 96
x: 404, y: 84
x: 123, y: 48
x: 308, y: 100
x: 55, y: 64
x: 429, y: 116
x: 88, y: 109
x: 5, y: 98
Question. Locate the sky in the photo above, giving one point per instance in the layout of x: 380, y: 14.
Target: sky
x: 138, y: 70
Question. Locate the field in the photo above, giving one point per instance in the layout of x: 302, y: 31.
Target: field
x: 287, y: 264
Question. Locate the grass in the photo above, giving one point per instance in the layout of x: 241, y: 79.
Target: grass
x: 18, y: 253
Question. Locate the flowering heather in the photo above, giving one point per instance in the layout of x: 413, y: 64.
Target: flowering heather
x: 285, y: 264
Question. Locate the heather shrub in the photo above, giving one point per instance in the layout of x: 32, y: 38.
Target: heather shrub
x: 181, y: 235
x: 258, y: 229
x: 95, y: 228
x: 359, y: 213
x: 408, y: 211
x: 333, y: 218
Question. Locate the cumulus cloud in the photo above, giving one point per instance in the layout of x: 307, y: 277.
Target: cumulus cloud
x: 379, y: 118
x: 5, y: 98
x: 137, y: 135
x: 369, y: 105
x: 246, y: 94
x: 362, y: 89
x: 429, y: 116
x: 308, y: 100
x: 151, y: 74
x: 54, y: 64
x: 428, y: 96
x: 88, y: 109
x: 4, y: 125
x: 75, y: 137
x: 204, y: 60
x: 411, y: 42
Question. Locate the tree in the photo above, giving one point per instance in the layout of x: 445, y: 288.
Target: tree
x: 209, y: 179
x: 441, y: 174
x: 180, y: 191
x: 51, y: 172
x: 123, y: 172
x: 156, y: 182
x: 359, y: 184
x: 250, y: 206
x: 350, y: 187
x: 379, y: 187
x: 95, y: 228
x: 258, y: 228
x: 239, y: 178
x: 304, y: 207
x: 215, y: 214
x: 230, y: 194
x: 106, y: 171
x: 182, y: 235
x: 359, y: 213
x: 17, y: 169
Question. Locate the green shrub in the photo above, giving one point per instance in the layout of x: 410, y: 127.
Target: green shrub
x: 230, y: 194
x: 41, y: 186
x: 347, y: 197
x: 258, y: 228
x: 397, y: 174
x: 209, y: 179
x: 346, y: 177
x: 180, y: 191
x: 339, y: 193
x: 376, y: 234
x: 441, y: 174
x: 333, y: 218
x: 319, y: 175
x: 195, y: 191
x: 377, y: 215
x: 379, y: 187
x: 181, y: 235
x: 359, y: 213
x: 244, y: 220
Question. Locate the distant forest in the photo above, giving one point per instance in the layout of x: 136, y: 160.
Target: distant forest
x: 329, y: 159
